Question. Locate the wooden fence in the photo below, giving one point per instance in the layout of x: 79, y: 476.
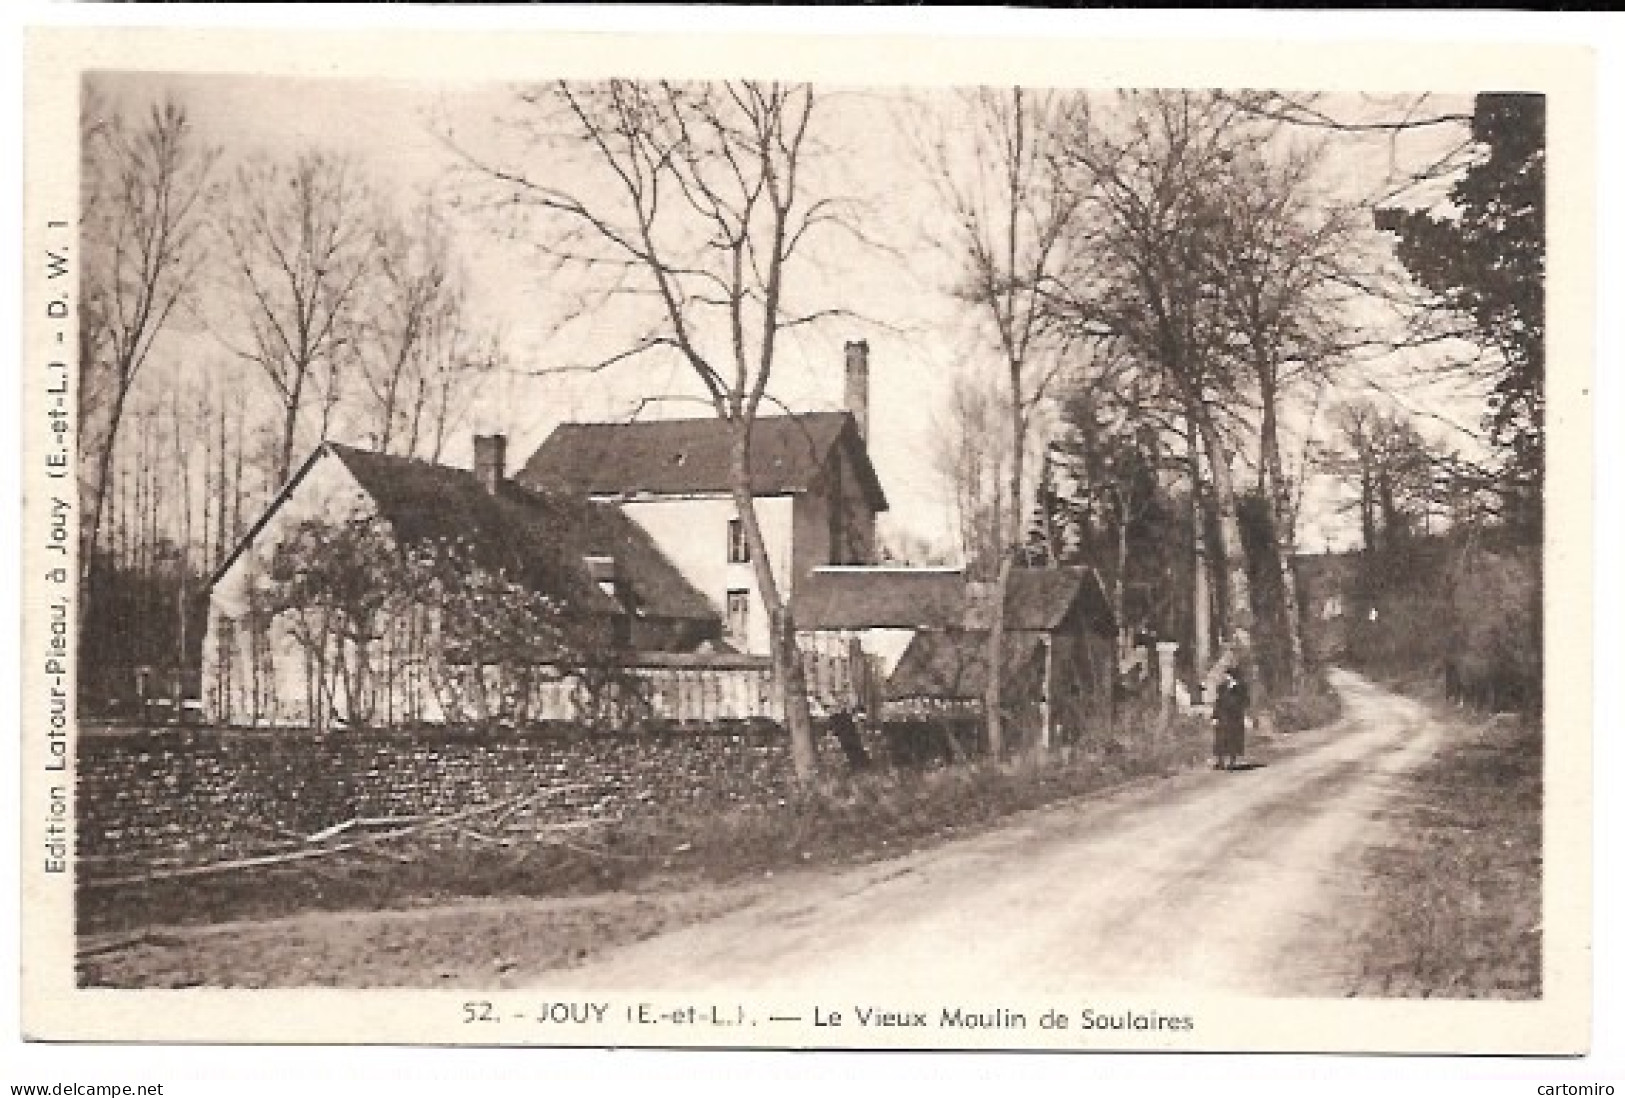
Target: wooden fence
x: 670, y: 688
x: 708, y: 688
x: 640, y: 689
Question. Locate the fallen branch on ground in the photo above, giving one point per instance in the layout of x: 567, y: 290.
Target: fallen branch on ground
x: 290, y: 857
x: 361, y: 821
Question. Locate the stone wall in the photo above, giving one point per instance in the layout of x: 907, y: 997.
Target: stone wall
x: 194, y: 795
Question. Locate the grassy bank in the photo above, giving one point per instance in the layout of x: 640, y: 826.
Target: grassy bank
x: 474, y: 944
x: 1456, y: 886
x: 1315, y: 705
x: 461, y: 907
x: 840, y: 818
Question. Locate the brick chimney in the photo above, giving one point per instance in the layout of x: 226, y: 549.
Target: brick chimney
x: 491, y: 461
x: 857, y: 384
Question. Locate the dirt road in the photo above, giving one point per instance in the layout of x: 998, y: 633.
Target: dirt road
x: 1242, y: 882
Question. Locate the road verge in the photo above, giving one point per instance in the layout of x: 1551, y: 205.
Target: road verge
x: 1455, y: 884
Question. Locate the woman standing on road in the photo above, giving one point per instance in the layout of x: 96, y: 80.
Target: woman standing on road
x: 1229, y: 721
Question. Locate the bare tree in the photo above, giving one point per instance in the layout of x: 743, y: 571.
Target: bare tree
x: 1009, y: 212
x: 1421, y: 137
x: 1281, y: 255
x: 298, y: 237
x: 143, y: 185
x: 1154, y: 165
x: 1391, y: 465
x: 413, y: 301
x: 695, y: 203
x: 445, y: 395
x: 971, y: 455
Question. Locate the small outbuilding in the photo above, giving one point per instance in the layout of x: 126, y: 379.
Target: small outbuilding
x: 1058, y: 652
x: 924, y: 632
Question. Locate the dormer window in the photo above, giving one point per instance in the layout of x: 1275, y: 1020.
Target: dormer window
x: 604, y: 572
x: 605, y: 575
x: 738, y: 544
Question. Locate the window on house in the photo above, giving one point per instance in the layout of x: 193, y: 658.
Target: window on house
x: 738, y: 546
x: 738, y: 614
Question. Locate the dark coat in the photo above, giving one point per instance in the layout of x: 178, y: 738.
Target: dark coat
x: 1230, y: 718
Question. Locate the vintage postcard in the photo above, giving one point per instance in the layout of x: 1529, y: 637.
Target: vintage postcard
x: 613, y: 540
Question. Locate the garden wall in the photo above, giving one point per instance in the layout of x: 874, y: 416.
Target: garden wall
x: 199, y: 795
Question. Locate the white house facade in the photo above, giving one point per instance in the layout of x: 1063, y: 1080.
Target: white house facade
x: 814, y: 491
x: 699, y: 534
x: 262, y: 668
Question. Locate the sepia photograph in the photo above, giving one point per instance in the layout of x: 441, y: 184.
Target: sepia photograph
x: 754, y: 561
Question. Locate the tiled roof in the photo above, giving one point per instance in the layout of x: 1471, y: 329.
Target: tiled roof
x: 1038, y: 599
x: 1041, y: 598
x: 879, y: 598
x: 678, y: 456
x: 540, y: 538
x: 954, y: 665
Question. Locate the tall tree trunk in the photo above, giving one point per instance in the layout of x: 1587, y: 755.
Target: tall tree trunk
x: 147, y: 552
x: 119, y: 532
x: 1119, y: 614
x: 1201, y: 600
x: 1368, y: 506
x: 1393, y: 527
x: 788, y: 671
x: 206, y: 497
x: 1239, y: 624
x: 290, y: 423
x: 237, y: 483
x: 442, y: 414
x: 1046, y: 517
x: 993, y: 694
x: 222, y: 535
x: 183, y: 552
x: 1009, y: 546
x: 98, y: 500
x: 387, y: 414
x: 330, y: 396
x: 415, y: 423
x: 1120, y: 587
x: 1281, y: 525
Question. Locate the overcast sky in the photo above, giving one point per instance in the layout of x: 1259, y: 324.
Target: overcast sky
x: 918, y: 335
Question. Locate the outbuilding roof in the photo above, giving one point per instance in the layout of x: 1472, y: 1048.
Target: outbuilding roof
x: 1036, y: 600
x: 954, y: 665
x: 1042, y: 599
x: 789, y: 455
x: 879, y: 598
